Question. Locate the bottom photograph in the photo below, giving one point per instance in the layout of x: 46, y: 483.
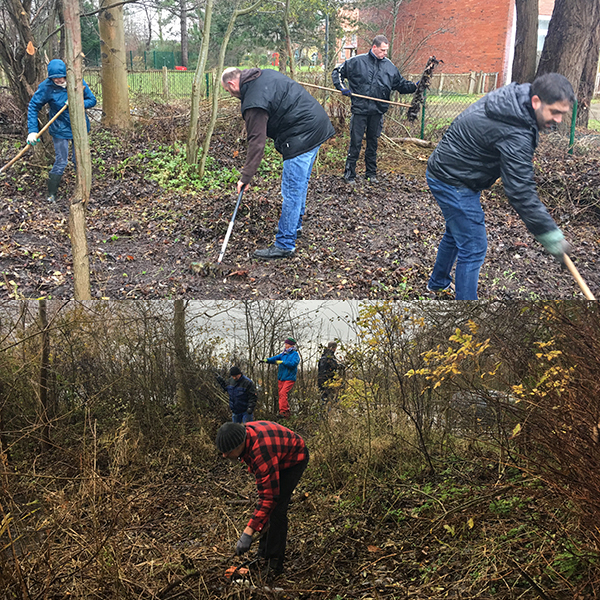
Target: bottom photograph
x: 299, y: 449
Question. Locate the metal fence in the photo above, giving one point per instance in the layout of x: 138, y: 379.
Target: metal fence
x: 448, y: 96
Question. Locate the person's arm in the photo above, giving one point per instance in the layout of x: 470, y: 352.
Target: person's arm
x: 516, y: 168
x: 403, y: 85
x: 252, y: 397
x: 290, y: 359
x: 256, y: 128
x: 89, y: 100
x: 338, y: 75
x: 35, y: 105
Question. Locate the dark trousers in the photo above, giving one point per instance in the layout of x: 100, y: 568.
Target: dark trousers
x: 272, y: 543
x: 361, y: 125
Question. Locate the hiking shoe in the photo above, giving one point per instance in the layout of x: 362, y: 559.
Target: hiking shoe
x: 271, y: 569
x: 272, y: 252
x: 349, y: 181
x: 51, y: 199
x: 372, y: 179
x: 441, y: 293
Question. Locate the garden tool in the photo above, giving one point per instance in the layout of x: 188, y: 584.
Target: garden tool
x: 18, y: 156
x: 578, y: 278
x: 230, y: 228
x: 320, y: 87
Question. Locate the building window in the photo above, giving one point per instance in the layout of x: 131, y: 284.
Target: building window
x: 543, y: 23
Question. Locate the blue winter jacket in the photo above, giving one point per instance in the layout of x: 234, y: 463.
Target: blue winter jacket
x: 242, y: 394
x: 289, y: 364
x: 55, y: 97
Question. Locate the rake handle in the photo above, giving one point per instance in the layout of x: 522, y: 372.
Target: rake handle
x: 320, y: 87
x: 578, y: 278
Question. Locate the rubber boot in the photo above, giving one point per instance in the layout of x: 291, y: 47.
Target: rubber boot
x: 54, y: 180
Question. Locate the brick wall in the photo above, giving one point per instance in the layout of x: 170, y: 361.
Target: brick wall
x: 468, y: 35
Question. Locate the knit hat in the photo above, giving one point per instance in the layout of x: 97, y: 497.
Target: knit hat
x: 234, y: 371
x: 291, y: 341
x: 230, y: 436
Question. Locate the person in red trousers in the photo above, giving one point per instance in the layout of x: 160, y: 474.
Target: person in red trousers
x: 288, y: 362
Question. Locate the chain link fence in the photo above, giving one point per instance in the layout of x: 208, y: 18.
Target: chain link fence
x: 447, y: 97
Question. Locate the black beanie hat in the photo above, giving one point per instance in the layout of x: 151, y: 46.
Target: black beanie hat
x: 230, y: 436
x: 234, y: 371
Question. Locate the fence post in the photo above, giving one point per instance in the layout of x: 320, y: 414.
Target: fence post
x: 471, y: 82
x: 165, y: 82
x: 131, y: 59
x: 207, y: 85
x: 441, y: 88
x: 573, y: 121
x: 423, y: 114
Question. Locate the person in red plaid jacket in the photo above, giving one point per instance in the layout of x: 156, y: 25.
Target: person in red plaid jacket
x: 277, y: 457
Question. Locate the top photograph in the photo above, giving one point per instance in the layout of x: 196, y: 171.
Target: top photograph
x: 400, y: 150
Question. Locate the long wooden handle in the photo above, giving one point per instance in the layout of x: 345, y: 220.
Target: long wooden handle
x: 578, y: 278
x: 320, y: 87
x: 18, y: 156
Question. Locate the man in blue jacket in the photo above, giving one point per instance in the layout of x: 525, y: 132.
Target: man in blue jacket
x: 242, y: 395
x: 53, y: 92
x: 374, y: 75
x: 495, y: 137
x: 287, y: 371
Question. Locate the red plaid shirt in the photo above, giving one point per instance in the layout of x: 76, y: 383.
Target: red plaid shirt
x: 270, y: 448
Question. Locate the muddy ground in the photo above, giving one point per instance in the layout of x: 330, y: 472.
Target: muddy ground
x: 370, y: 241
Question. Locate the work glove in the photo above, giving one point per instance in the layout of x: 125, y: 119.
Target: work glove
x: 243, y: 544
x: 32, y: 139
x: 554, y: 242
x: 278, y: 362
x: 346, y: 92
x: 262, y: 360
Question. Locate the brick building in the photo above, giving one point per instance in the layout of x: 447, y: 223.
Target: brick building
x: 468, y: 35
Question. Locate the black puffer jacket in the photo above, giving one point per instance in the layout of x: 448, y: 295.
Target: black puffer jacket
x: 495, y: 137
x: 370, y: 76
x: 297, y: 122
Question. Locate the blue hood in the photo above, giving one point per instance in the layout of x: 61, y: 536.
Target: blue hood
x: 56, y: 68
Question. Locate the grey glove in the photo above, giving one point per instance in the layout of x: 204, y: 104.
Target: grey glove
x: 346, y: 92
x: 243, y: 544
x: 554, y: 242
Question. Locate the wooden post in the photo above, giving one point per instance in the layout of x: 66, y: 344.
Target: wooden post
x: 165, y: 82
x: 441, y: 88
x: 471, y: 82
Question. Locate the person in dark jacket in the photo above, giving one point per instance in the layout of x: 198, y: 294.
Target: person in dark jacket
x: 53, y: 92
x: 287, y: 371
x: 242, y: 395
x: 374, y: 75
x: 276, y: 106
x: 326, y: 370
x: 495, y: 137
x: 277, y: 457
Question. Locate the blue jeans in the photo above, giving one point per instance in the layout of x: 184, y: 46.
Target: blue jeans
x: 464, y: 242
x: 242, y: 417
x: 294, y: 185
x: 61, y: 155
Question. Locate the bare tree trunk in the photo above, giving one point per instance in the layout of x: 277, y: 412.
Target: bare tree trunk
x: 78, y: 203
x: 588, y: 77
x: 198, y: 87
x: 184, y: 32
x: 288, y: 38
x: 44, y: 416
x: 115, y: 95
x: 183, y: 389
x: 23, y: 64
x: 566, y: 46
x: 523, y: 68
x: 237, y: 12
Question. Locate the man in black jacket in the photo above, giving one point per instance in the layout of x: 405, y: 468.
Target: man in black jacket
x: 242, y: 395
x: 373, y: 75
x: 495, y: 137
x: 327, y: 368
x: 276, y: 106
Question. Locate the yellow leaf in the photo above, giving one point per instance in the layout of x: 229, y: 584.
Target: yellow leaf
x: 471, y: 523
x: 516, y: 430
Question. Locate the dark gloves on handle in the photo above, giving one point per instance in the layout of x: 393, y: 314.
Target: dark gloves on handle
x: 346, y: 92
x: 243, y: 544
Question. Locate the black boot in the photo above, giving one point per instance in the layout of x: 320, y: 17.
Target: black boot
x: 54, y: 180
